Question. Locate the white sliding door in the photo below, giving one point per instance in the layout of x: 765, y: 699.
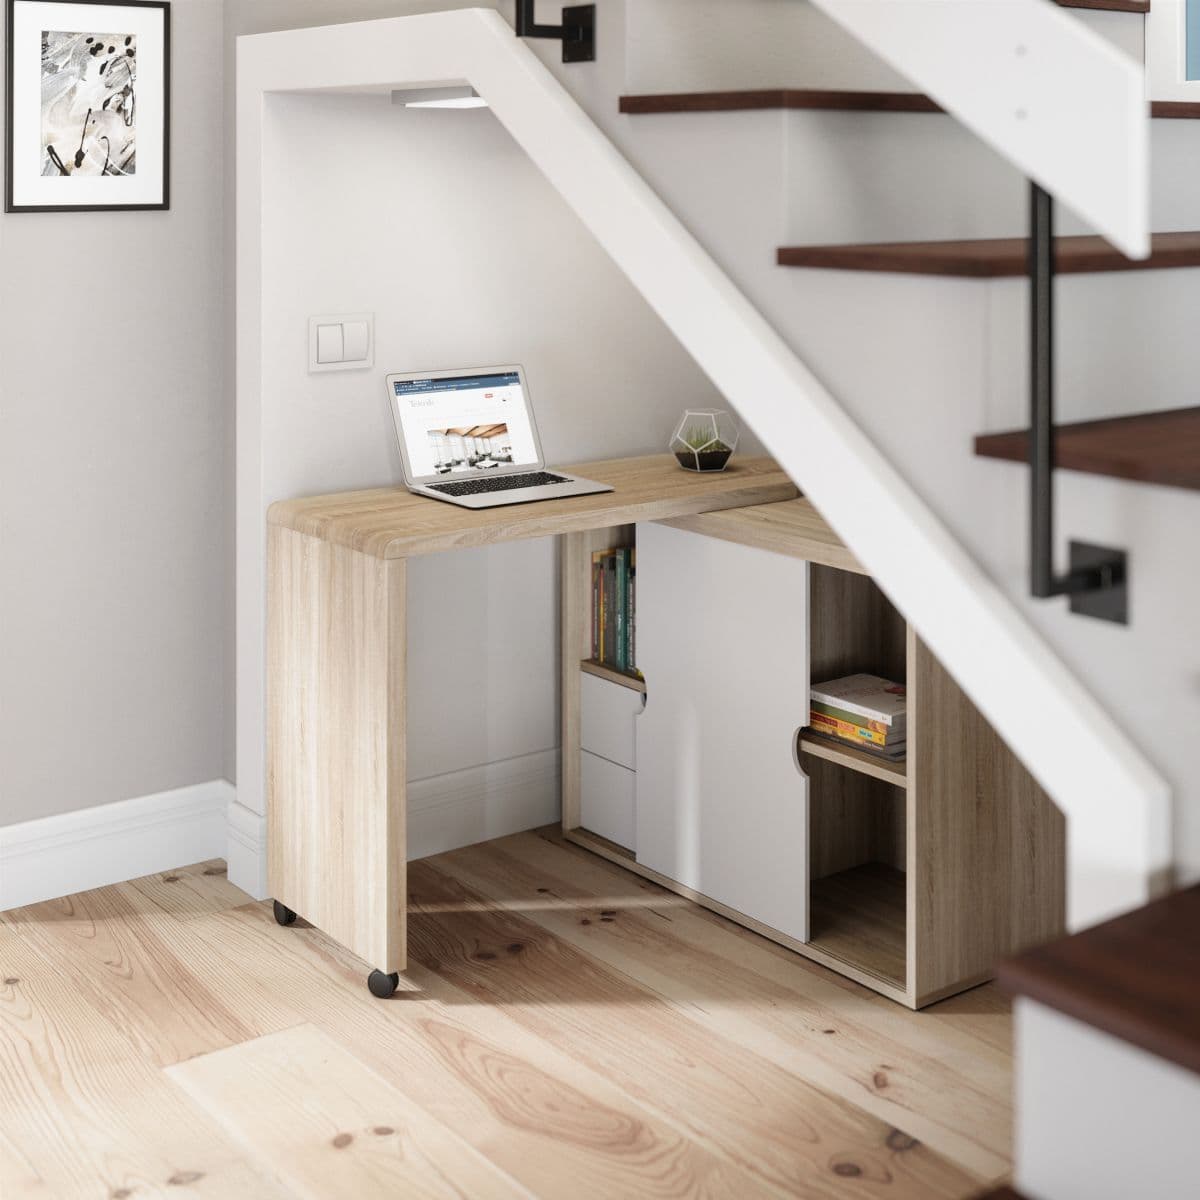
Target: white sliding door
x: 722, y: 638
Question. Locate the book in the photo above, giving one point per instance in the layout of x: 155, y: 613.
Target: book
x: 620, y: 586
x: 868, y: 696
x: 841, y: 714
x: 894, y: 753
x: 609, y: 621
x: 612, y: 604
x: 631, y: 608
x: 597, y: 568
x: 854, y: 733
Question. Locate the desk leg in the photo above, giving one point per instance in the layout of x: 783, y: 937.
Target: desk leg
x: 336, y: 770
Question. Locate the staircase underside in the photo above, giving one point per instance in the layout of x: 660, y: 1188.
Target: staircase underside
x: 1161, y: 447
x: 993, y: 258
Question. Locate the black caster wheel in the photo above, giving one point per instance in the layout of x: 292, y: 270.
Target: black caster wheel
x: 283, y: 914
x: 382, y: 985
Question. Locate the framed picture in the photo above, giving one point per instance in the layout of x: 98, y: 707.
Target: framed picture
x: 1173, y: 50
x: 87, y: 124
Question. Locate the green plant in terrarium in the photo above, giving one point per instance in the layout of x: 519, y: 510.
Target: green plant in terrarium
x: 705, y: 440
x: 700, y: 437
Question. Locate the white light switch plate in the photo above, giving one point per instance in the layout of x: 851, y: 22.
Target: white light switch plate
x: 350, y: 335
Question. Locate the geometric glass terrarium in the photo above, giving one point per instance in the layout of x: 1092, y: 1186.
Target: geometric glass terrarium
x: 705, y: 440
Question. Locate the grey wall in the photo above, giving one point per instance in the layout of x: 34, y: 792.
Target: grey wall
x: 113, y: 498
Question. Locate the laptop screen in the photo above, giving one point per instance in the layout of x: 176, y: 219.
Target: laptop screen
x: 465, y: 424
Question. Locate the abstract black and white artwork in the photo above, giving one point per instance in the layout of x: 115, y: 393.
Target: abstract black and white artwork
x: 88, y: 105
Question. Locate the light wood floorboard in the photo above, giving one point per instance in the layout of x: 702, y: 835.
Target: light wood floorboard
x: 91, y: 1117
x: 327, y: 1125
x: 565, y: 1029
x: 950, y: 1091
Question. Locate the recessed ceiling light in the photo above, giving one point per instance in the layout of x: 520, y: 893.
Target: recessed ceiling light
x: 460, y: 96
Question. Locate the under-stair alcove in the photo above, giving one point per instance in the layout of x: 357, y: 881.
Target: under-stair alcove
x: 439, y: 225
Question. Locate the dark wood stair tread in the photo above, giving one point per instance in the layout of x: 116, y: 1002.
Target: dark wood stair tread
x: 1134, y: 977
x: 780, y: 98
x: 1159, y: 447
x: 1126, y: 6
x: 829, y: 99
x: 992, y: 258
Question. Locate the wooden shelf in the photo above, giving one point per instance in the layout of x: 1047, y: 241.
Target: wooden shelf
x: 992, y: 258
x: 1133, y: 977
x: 858, y: 917
x: 591, y: 667
x: 856, y: 760
x: 1162, y: 447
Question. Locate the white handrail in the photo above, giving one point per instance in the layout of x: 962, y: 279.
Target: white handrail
x: 1116, y: 803
x: 1040, y: 87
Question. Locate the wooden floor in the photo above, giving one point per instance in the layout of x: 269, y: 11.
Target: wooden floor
x: 565, y: 1030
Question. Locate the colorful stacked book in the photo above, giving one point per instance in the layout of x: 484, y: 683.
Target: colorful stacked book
x: 864, y: 710
x: 614, y: 592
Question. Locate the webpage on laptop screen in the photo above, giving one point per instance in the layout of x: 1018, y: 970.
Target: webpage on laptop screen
x: 467, y: 424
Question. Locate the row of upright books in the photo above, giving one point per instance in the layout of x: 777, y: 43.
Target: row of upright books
x: 614, y: 596
x: 864, y: 710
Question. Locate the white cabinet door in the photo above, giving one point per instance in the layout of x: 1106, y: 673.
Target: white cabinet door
x: 722, y: 638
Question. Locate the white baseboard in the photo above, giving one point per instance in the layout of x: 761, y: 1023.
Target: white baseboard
x: 444, y: 813
x: 73, y: 852
x: 465, y: 807
x: 246, y: 849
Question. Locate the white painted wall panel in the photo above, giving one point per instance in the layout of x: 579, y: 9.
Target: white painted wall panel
x: 437, y: 223
x: 1097, y: 1117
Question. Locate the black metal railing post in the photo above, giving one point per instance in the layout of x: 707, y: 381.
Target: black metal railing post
x: 1096, y: 578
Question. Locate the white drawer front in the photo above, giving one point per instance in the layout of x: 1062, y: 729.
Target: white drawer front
x: 608, y: 713
x: 607, y: 799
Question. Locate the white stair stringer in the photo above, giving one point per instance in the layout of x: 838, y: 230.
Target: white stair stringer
x: 1040, y: 87
x: 1117, y: 805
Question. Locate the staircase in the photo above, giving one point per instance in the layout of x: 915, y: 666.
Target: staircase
x: 870, y: 387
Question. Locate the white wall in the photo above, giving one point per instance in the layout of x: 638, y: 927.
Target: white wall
x: 440, y: 225
x: 113, y: 542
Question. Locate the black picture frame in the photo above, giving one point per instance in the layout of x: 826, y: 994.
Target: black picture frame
x: 9, y: 131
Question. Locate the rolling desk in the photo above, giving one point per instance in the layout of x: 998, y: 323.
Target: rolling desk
x: 336, y: 663
x: 912, y: 878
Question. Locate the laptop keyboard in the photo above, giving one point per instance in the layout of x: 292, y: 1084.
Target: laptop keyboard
x: 499, y: 483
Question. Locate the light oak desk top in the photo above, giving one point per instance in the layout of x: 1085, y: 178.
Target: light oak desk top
x: 390, y: 523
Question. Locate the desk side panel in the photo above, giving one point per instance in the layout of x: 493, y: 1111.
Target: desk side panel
x: 335, y: 742
x: 986, y: 845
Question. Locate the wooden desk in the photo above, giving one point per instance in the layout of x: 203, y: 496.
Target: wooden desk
x: 336, y: 665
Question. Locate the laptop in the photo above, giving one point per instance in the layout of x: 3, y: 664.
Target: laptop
x: 469, y: 437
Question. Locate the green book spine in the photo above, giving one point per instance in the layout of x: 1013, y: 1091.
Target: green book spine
x: 631, y: 611
x: 596, y: 608
x: 621, y: 583
x: 609, y: 655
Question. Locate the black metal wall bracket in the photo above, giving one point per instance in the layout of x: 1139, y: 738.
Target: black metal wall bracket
x: 577, y: 31
x: 1096, y: 580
